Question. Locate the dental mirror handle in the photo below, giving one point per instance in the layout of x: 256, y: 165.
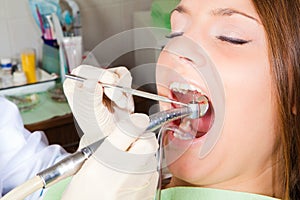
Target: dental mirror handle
x: 131, y: 91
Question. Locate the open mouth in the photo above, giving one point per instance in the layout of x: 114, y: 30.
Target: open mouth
x: 186, y: 93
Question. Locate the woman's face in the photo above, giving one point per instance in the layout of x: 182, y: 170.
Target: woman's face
x: 232, y: 36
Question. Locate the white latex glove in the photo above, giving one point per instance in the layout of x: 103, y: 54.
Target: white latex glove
x: 96, y: 110
x: 105, y: 175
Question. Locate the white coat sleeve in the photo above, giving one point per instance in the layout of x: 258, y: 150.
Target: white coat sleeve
x: 22, y: 154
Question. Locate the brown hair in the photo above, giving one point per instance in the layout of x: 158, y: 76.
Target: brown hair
x: 281, y: 20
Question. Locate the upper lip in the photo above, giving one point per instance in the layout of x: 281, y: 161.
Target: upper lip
x: 186, y: 87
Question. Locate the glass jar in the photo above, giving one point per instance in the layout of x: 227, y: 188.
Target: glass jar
x: 6, y: 75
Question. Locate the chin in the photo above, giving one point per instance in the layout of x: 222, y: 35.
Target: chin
x: 183, y: 166
x: 192, y: 170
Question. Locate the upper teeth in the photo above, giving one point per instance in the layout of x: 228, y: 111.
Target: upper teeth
x: 183, y: 87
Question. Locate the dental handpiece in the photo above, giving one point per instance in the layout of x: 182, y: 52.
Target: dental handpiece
x: 69, y: 165
x: 193, y: 110
x: 73, y: 163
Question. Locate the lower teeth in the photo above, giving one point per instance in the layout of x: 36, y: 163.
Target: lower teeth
x: 183, y: 136
x: 178, y: 133
x: 183, y: 132
x: 185, y: 125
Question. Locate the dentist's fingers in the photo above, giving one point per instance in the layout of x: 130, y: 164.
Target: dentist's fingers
x: 125, y: 78
x: 122, y: 77
x: 117, y: 76
x: 128, y: 130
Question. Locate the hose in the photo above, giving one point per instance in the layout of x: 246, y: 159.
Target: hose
x: 27, y: 188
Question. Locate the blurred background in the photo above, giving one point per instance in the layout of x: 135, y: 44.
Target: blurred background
x: 100, y: 20
x: 32, y: 62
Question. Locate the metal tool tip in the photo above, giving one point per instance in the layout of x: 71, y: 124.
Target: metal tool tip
x: 75, y: 77
x: 199, y: 107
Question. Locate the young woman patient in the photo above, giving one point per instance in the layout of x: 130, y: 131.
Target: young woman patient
x: 254, y: 46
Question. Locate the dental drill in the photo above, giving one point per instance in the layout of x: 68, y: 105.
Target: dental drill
x: 193, y: 110
x: 72, y: 164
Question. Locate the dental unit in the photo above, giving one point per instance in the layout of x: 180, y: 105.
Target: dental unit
x: 72, y: 164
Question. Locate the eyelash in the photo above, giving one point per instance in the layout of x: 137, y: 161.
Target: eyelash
x: 174, y: 34
x: 235, y: 41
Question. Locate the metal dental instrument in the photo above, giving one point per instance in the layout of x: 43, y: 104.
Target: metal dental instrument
x: 131, y: 91
x: 69, y: 165
x: 194, y: 110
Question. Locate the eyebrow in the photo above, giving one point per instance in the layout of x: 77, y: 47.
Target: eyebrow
x: 180, y: 9
x: 218, y: 12
x: 229, y: 12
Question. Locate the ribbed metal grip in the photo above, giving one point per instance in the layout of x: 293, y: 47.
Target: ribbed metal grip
x: 65, y: 168
x: 160, y: 118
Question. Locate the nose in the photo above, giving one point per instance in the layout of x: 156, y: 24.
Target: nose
x: 185, y: 57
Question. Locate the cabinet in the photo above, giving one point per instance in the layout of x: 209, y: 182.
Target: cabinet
x: 55, y: 119
x: 59, y: 130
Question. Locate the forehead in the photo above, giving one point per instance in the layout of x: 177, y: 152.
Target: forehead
x: 195, y: 7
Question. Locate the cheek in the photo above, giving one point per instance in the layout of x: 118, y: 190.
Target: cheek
x: 249, y: 103
x: 249, y: 106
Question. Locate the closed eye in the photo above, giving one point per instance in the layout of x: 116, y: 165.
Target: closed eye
x: 174, y: 34
x: 231, y: 40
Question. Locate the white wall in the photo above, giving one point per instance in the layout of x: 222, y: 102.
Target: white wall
x: 103, y: 18
x: 100, y: 19
x: 18, y: 29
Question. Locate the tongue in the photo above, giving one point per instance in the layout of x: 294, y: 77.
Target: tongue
x: 203, y: 124
x: 186, y: 97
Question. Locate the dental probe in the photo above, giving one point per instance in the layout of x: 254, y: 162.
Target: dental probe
x: 131, y: 91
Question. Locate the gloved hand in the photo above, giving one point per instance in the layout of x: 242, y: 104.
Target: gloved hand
x: 122, y: 168
x: 94, y: 108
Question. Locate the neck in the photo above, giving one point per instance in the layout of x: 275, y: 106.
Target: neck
x: 261, y: 183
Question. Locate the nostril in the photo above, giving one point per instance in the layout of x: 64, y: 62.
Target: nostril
x: 186, y: 59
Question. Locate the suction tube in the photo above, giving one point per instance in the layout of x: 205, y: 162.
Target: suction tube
x: 25, y: 189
